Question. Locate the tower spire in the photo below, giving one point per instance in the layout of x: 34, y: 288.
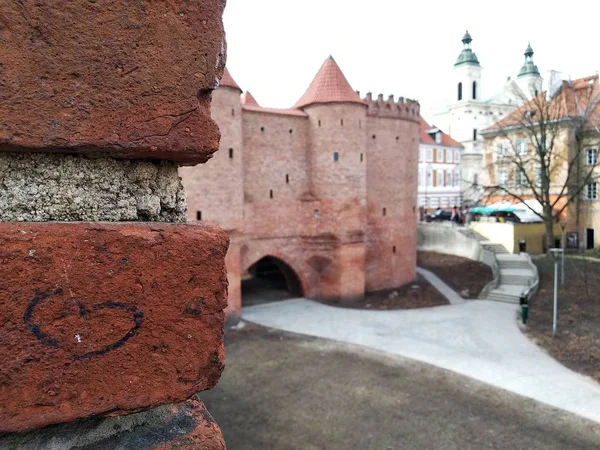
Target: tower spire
x: 467, y: 56
x: 529, y: 68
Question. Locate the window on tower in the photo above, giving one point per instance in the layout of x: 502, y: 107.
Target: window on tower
x: 460, y: 91
x: 474, y: 134
x: 474, y: 90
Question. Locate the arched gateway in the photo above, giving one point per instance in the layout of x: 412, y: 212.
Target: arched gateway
x: 270, y: 279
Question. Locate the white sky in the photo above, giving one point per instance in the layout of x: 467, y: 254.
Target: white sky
x: 275, y: 47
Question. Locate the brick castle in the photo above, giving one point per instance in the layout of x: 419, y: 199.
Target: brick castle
x: 325, y: 190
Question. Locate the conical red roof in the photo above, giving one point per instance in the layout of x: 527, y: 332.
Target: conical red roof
x: 329, y: 85
x: 248, y: 99
x: 227, y: 80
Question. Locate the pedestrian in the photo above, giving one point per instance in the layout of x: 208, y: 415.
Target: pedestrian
x: 455, y: 218
x: 467, y: 215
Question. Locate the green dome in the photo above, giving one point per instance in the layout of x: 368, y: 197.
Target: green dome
x: 467, y: 56
x: 467, y: 38
x: 529, y: 68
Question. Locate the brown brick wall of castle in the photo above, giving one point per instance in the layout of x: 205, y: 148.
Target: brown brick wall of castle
x: 325, y: 221
x: 392, y: 149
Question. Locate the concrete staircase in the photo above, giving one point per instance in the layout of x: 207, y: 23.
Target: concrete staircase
x: 517, y: 275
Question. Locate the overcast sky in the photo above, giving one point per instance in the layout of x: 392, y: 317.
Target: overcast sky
x: 275, y: 47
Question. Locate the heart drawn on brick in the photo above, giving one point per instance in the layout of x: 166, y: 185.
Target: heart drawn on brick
x: 82, y: 330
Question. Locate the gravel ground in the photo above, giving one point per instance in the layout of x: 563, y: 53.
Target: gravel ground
x: 290, y: 392
x: 459, y: 273
x: 577, y: 343
x: 418, y: 294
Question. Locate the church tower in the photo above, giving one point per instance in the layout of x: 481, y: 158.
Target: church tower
x: 467, y: 73
x: 529, y: 79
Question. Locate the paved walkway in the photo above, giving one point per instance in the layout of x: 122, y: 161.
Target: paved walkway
x: 479, y: 339
x: 442, y: 287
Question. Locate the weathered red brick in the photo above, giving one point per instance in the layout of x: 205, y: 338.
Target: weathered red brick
x: 127, y: 78
x: 180, y: 426
x: 107, y: 318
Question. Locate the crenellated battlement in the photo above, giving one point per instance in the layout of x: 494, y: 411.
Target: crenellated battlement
x: 403, y: 108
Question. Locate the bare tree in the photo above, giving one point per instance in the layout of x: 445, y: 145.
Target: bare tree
x: 547, y: 150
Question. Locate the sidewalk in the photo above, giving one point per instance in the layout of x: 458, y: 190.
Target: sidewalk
x: 479, y: 339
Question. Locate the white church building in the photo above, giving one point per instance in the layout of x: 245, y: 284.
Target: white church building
x: 469, y: 113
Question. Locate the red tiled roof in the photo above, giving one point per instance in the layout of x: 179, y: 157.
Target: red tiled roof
x: 570, y: 101
x: 285, y: 112
x: 427, y: 139
x: 228, y: 80
x: 248, y: 99
x: 329, y: 85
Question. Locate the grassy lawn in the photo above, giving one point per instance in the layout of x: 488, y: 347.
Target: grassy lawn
x: 577, y: 343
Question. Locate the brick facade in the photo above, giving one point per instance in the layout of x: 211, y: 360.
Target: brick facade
x: 309, y: 186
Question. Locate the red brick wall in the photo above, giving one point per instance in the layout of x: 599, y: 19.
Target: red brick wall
x: 392, y: 152
x: 348, y: 246
x: 216, y: 188
x: 270, y: 153
x: 339, y: 185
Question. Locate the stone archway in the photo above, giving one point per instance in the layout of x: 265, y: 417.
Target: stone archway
x: 268, y: 280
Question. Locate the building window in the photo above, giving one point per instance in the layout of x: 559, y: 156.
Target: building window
x: 342, y: 122
x: 394, y: 249
x: 457, y: 156
x: 438, y: 137
x: 397, y: 138
x: 384, y: 211
x: 262, y: 129
x: 475, y: 179
x: 270, y: 193
x: 361, y: 157
x: 336, y: 156
x: 232, y: 112
x: 439, y: 155
x: 459, y: 91
x: 319, y: 122
x: 503, y: 150
x: 374, y: 136
x: 429, y: 155
x: 474, y: 90
x: 316, y: 214
x: 474, y: 134
x: 291, y: 131
x: 521, y: 147
x: 502, y: 176
x: 591, y: 156
x: 429, y: 177
x: 521, y: 178
x: 287, y: 178
x: 230, y: 153
x: 439, y: 178
x: 456, y: 178
x: 198, y: 215
x: 591, y: 191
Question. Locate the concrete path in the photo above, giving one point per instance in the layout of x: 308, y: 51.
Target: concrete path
x: 479, y: 339
x: 442, y: 287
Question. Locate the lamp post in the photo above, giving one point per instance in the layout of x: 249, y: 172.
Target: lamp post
x: 556, y: 254
x: 563, y: 226
x: 427, y: 176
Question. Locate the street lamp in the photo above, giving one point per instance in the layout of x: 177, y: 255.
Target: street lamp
x: 427, y: 176
x: 556, y: 254
x: 563, y: 226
